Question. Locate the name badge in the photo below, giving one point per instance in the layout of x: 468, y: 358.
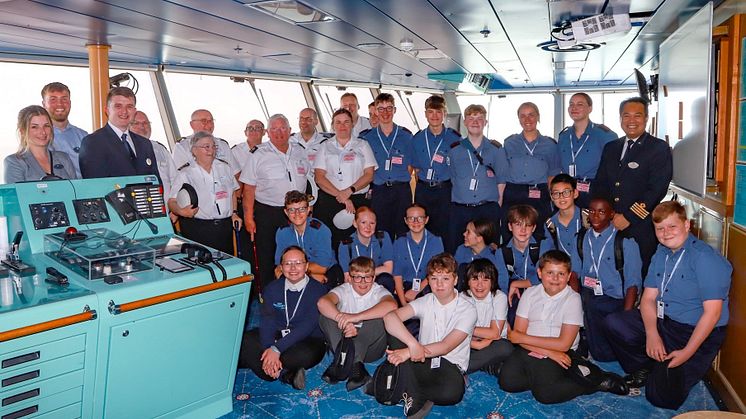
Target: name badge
x: 437, y: 158
x: 387, y: 165
x: 284, y: 332
x: 221, y: 195
x: 534, y: 193
x: 473, y: 184
x: 661, y: 310
x: 589, y: 282
x: 429, y: 174
x: 571, y: 169
x: 349, y: 157
x: 584, y: 186
x: 598, y: 289
x: 311, y: 158
x: 301, y: 170
x: 416, y: 283
x: 340, y: 177
x: 397, y: 160
x: 435, y: 362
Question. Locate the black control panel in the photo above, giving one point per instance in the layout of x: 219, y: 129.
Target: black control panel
x: 91, y: 210
x: 49, y: 215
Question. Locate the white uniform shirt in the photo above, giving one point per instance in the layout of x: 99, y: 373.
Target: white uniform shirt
x: 437, y: 321
x: 352, y: 302
x: 183, y: 153
x: 546, y: 314
x: 214, y: 189
x: 363, y: 123
x: 492, y: 307
x: 275, y: 173
x: 241, y: 154
x: 166, y: 167
x: 345, y: 165
x: 310, y: 147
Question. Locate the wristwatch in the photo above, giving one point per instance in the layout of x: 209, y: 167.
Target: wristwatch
x: 352, y: 188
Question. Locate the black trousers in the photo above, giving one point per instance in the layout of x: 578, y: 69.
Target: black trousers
x: 443, y: 386
x: 245, y: 245
x: 326, y: 207
x: 549, y: 383
x: 304, y: 354
x: 666, y: 387
x: 437, y: 200
x: 217, y: 234
x: 460, y: 216
x: 390, y: 205
x: 493, y: 355
x: 595, y: 310
x: 268, y: 220
x: 370, y: 342
x: 516, y: 194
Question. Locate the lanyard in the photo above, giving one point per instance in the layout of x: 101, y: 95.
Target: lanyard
x: 285, y: 294
x: 436, y: 323
x: 427, y: 144
x: 422, y: 254
x: 530, y: 150
x: 285, y: 158
x: 341, y: 156
x: 572, y: 149
x: 471, y: 164
x: 387, y: 150
x: 596, y: 263
x: 664, y: 282
x: 299, y: 239
x: 559, y: 237
x: 370, y: 250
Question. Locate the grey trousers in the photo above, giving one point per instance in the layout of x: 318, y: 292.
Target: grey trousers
x: 370, y: 342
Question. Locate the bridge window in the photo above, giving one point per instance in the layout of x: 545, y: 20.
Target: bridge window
x: 283, y: 97
x: 327, y: 98
x: 146, y: 102
x: 502, y: 112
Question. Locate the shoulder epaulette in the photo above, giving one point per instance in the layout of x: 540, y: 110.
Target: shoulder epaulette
x: 327, y: 135
x: 235, y: 145
x: 406, y: 129
x: 380, y: 234
x: 182, y: 139
x: 454, y: 132
x: 183, y: 166
x: 364, y: 132
x: 222, y: 161
x: 324, y: 140
x: 220, y: 139
x: 315, y: 224
x: 253, y: 149
x: 563, y: 130
x: 418, y: 132
x: 347, y: 241
x: 456, y: 143
x: 604, y: 127
x: 496, y: 143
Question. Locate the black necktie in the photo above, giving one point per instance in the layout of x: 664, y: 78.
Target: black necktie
x: 129, y: 149
x: 625, y: 152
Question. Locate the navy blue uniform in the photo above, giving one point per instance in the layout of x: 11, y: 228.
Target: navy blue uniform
x: 390, y: 191
x: 684, y: 280
x: 103, y: 154
x: 580, y: 157
x: 635, y: 185
x: 433, y: 176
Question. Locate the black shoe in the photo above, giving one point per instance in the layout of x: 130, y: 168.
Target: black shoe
x: 329, y: 375
x: 416, y: 409
x: 637, y: 379
x: 615, y: 384
x: 358, y: 377
x: 297, y: 379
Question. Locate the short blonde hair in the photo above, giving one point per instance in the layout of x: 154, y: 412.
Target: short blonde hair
x: 475, y: 109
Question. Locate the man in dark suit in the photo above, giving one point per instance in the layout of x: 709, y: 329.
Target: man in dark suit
x: 113, y: 150
x: 634, y: 175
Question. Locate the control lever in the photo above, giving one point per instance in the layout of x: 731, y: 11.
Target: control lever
x: 13, y: 261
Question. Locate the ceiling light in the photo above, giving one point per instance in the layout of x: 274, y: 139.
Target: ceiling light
x: 369, y: 45
x: 292, y: 11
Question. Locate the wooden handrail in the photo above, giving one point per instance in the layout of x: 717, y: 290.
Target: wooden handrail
x: 159, y: 299
x: 48, y: 325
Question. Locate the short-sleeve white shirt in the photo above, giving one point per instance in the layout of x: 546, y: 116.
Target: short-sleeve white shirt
x: 182, y: 153
x: 214, y: 189
x: 352, y: 302
x: 310, y: 147
x: 166, y: 167
x: 491, y: 307
x: 546, y: 314
x: 362, y: 124
x: 275, y: 173
x: 437, y: 321
x: 241, y: 153
x: 345, y: 165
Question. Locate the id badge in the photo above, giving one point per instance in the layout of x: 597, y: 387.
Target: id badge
x: 284, y: 332
x: 584, y: 186
x: 416, y: 282
x: 534, y: 192
x: 340, y: 177
x: 598, y: 289
x: 473, y: 184
x: 387, y: 165
x: 661, y: 311
x: 571, y: 170
x: 589, y: 282
x: 435, y: 362
x: 429, y: 174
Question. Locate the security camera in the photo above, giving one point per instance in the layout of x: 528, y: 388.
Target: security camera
x: 406, y: 44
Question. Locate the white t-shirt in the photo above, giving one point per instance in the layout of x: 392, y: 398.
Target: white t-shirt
x: 546, y: 314
x: 274, y: 173
x: 491, y: 308
x: 352, y: 302
x: 437, y: 321
x: 345, y: 165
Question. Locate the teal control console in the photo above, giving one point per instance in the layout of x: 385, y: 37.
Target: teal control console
x: 111, y: 319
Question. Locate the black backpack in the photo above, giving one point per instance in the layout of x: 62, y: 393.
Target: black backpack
x: 348, y: 242
x: 533, y: 252
x: 618, y: 251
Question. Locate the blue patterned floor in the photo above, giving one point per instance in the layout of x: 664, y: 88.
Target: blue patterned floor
x: 254, y: 398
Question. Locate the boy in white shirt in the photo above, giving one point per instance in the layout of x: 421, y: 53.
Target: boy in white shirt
x: 435, y: 365
x: 547, y: 323
x: 354, y: 310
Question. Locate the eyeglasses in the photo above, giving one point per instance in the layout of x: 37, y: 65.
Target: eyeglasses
x: 385, y: 109
x: 203, y: 120
x: 301, y: 210
x: 207, y: 147
x: 254, y: 129
x: 360, y: 278
x: 564, y: 194
x: 416, y: 219
x: 293, y: 263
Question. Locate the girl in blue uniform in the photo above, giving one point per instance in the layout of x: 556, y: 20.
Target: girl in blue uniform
x: 477, y: 240
x: 369, y: 242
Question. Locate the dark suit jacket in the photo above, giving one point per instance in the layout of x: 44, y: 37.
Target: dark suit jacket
x: 102, y: 154
x: 636, y: 184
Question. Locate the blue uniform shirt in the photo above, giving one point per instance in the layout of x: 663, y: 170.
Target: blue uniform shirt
x: 415, y: 267
x: 396, y: 148
x: 611, y: 282
x: 503, y: 276
x: 380, y: 250
x: 703, y: 274
x: 524, y: 267
x: 431, y: 151
x: 316, y: 241
x: 68, y: 141
x: 567, y: 237
x: 465, y: 166
x: 466, y: 255
x: 531, y: 163
x: 587, y: 149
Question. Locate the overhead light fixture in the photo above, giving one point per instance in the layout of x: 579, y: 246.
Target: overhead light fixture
x: 406, y: 44
x: 292, y: 11
x: 369, y: 45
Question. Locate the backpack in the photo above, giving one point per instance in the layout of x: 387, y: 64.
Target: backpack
x: 618, y: 251
x: 348, y: 242
x: 533, y: 252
